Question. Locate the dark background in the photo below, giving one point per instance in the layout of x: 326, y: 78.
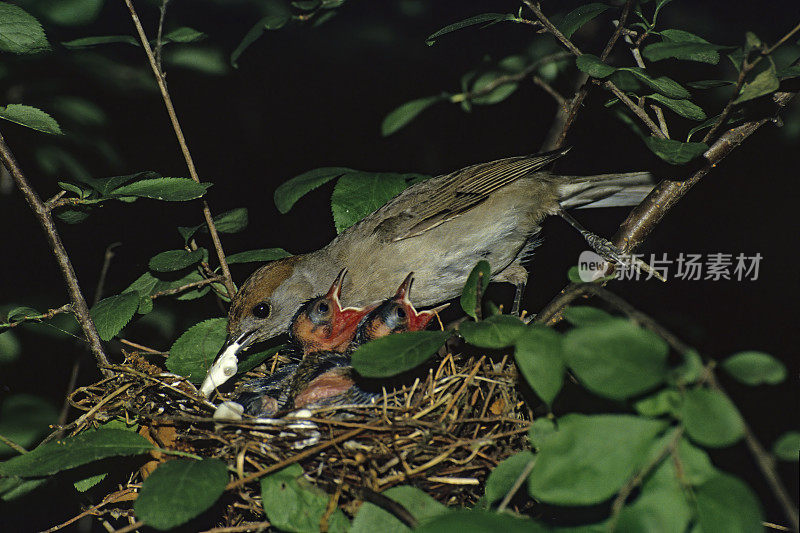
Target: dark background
x: 305, y: 97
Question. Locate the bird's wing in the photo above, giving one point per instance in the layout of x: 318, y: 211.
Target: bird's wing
x: 433, y: 202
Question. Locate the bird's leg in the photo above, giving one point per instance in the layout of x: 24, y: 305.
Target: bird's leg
x: 519, y: 289
x: 606, y: 249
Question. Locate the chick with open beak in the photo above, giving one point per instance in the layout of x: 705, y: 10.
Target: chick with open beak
x: 327, y: 378
x: 320, y: 324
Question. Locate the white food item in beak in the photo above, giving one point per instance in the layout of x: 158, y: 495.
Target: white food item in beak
x: 223, y: 369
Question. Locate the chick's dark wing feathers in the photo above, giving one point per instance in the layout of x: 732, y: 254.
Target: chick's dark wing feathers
x: 443, y: 198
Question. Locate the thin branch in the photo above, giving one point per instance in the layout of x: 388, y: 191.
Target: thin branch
x: 549, y: 26
x: 192, y: 285
x: 387, y: 504
x: 637, y: 479
x: 646, y: 216
x: 782, y: 40
x: 562, y: 102
x: 57, y: 247
x: 13, y: 445
x: 66, y: 308
x: 162, y: 85
x: 107, y: 257
x: 633, y: 106
x: 565, y: 118
x: 517, y: 484
x: 159, y: 42
x: 766, y: 464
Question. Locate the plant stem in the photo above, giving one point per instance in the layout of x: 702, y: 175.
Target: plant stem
x: 45, y: 218
x: 162, y: 85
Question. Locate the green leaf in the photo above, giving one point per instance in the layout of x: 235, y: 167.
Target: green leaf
x: 755, y: 368
x: 684, y: 108
x: 20, y: 33
x: 469, y: 295
x: 249, y: 360
x: 680, y: 44
x: 590, y: 458
x: 689, y: 371
x: 405, y: 113
x: 726, y: 505
x: 711, y: 419
x: 487, y: 19
x: 80, y: 111
x: 765, y: 82
x: 260, y: 255
x: 706, y: 124
x: 497, y: 331
x: 709, y: 84
x: 21, y: 313
x: 661, y: 505
x: 593, y: 66
x: 15, y: 487
x: 167, y: 189
x: 675, y: 152
x: 785, y: 73
x: 179, y: 490
x: 232, y: 221
x: 496, y: 95
x: 99, y: 40
x: 10, y: 348
x: 293, y: 504
x: 30, y: 117
x: 664, y: 85
x: 24, y: 419
x: 275, y: 19
x: 193, y: 352
x: 616, y: 358
x: 371, y: 518
x: 786, y: 448
x: 504, y: 475
x: 67, y: 453
x: 287, y: 194
x: 358, y: 194
x: 112, y: 314
x: 71, y: 12
x: 172, y: 260
x: 203, y: 59
x: 82, y: 485
x: 585, y: 315
x: 397, y: 353
x: 540, y: 430
x: 667, y: 401
x: 579, y: 16
x: 466, y: 521
x: 183, y: 35
x: 538, y: 355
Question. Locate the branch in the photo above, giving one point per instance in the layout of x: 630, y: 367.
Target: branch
x: 636, y: 108
x: 565, y: 117
x: 766, y: 464
x: 162, y: 85
x: 45, y: 218
x: 644, y: 217
x: 66, y: 308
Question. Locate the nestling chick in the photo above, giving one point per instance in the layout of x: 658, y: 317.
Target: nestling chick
x: 326, y: 377
x: 320, y: 324
x: 439, y: 228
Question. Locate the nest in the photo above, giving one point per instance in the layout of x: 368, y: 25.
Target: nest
x: 443, y: 433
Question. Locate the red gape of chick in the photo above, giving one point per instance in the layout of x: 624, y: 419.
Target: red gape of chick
x: 328, y: 378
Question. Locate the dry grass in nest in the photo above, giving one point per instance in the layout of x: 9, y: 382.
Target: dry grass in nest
x: 442, y: 434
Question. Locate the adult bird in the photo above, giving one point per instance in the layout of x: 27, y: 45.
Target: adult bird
x: 438, y: 228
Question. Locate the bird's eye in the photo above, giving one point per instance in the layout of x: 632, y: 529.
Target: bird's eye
x: 261, y: 310
x: 400, y: 312
x: 323, y: 307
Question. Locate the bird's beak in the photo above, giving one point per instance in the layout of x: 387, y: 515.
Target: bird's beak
x: 227, y: 362
x: 345, y: 320
x: 417, y: 320
x: 421, y: 320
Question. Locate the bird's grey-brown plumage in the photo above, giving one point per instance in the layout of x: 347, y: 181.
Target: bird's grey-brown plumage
x: 438, y: 228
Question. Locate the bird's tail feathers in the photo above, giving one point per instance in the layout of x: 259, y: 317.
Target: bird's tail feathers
x: 605, y: 190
